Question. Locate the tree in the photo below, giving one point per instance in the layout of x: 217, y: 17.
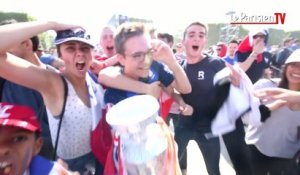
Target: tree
x: 46, y: 39
x: 21, y: 17
x: 276, y: 36
x: 294, y: 34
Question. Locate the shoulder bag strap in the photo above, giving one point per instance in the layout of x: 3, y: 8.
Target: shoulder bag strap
x: 60, y: 117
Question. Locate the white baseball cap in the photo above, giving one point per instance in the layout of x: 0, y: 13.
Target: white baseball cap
x: 294, y: 57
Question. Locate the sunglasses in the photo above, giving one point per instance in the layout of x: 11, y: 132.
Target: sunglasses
x: 72, y: 33
x: 258, y: 36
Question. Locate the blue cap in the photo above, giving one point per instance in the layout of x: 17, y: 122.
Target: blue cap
x: 78, y: 34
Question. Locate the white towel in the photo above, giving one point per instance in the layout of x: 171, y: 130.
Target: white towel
x: 239, y: 100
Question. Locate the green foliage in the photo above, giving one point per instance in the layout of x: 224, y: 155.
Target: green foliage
x: 31, y: 18
x: 276, y: 36
x: 294, y: 34
x: 46, y: 39
x: 21, y: 17
x: 214, y: 31
x: 242, y: 33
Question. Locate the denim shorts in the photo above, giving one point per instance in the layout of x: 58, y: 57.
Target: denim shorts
x: 85, y: 165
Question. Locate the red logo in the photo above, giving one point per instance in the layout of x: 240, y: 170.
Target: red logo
x: 280, y: 17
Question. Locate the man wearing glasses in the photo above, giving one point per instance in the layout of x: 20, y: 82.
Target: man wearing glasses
x: 147, y: 67
x: 151, y: 62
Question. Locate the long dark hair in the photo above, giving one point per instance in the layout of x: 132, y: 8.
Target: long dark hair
x: 283, y: 83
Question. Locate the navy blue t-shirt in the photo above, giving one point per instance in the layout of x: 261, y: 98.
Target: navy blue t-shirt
x: 17, y: 94
x: 203, y: 95
x: 256, y: 70
x: 158, y: 72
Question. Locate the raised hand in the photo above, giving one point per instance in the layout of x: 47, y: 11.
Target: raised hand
x: 57, y: 26
x: 235, y: 75
x: 162, y: 52
x: 270, y: 94
x: 258, y: 46
x: 186, y: 110
x: 281, y: 96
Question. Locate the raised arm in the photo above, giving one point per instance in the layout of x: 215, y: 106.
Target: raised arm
x: 22, y: 72
x: 258, y: 48
x: 18, y: 32
x: 163, y: 53
x: 280, y: 96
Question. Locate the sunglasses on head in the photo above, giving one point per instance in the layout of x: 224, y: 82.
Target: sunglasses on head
x: 258, y: 36
x: 71, y: 33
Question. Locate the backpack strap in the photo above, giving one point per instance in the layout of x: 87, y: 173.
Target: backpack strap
x: 60, y: 116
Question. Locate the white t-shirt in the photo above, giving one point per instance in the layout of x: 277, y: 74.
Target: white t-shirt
x: 278, y: 135
x: 76, y: 127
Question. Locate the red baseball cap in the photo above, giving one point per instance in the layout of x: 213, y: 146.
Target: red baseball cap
x: 19, y: 116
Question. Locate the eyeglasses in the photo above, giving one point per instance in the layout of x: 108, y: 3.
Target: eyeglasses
x: 260, y: 36
x: 140, y: 56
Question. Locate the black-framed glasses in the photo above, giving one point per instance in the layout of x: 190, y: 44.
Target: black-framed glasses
x: 140, y: 56
x: 258, y: 36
